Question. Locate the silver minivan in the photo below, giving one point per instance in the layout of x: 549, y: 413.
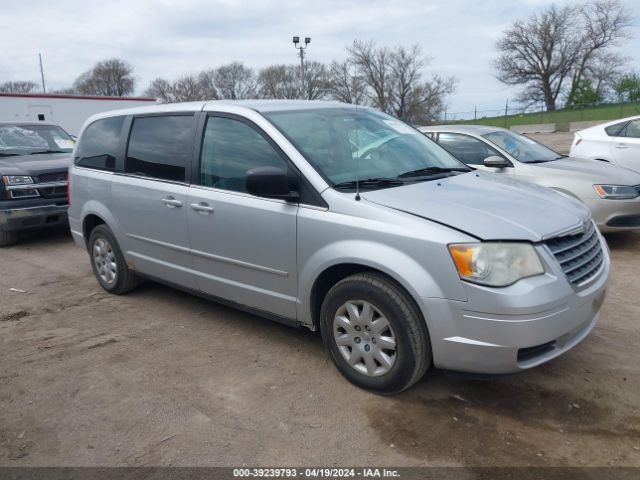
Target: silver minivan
x: 343, y: 219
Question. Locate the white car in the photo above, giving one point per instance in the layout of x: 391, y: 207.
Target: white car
x: 616, y: 142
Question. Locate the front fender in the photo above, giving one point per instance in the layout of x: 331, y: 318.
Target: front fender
x: 411, y: 274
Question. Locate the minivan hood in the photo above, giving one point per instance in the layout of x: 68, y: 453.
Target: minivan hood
x: 593, y: 171
x: 487, y: 206
x: 35, y: 164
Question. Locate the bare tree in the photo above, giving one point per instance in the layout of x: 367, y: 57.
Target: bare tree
x: 405, y: 66
x: 279, y: 81
x: 425, y: 102
x: 206, y: 78
x: 187, y: 88
x: 604, y: 23
x: 18, y: 86
x: 344, y: 84
x: 394, y: 81
x: 375, y: 65
x: 162, y: 90
x: 316, y: 81
x: 604, y: 71
x: 555, y: 49
x: 112, y: 77
x: 235, y: 81
x: 539, y: 54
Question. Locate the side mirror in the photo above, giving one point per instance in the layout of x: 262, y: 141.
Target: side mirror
x: 271, y: 182
x: 495, y: 161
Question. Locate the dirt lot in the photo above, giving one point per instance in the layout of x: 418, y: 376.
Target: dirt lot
x: 560, y: 141
x: 159, y: 377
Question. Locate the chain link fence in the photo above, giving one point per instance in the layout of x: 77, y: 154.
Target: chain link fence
x: 509, y: 115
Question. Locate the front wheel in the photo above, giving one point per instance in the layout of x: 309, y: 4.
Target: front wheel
x: 375, y: 334
x: 108, y: 263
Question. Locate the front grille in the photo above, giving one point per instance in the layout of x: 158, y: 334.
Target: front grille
x: 52, y: 177
x: 580, y: 256
x: 52, y: 192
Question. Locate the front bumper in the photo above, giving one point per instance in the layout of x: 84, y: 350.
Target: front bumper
x: 25, y: 218
x: 505, y: 330
x: 615, y: 215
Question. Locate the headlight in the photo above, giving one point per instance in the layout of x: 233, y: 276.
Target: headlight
x: 616, y: 192
x: 495, y: 264
x: 17, y: 180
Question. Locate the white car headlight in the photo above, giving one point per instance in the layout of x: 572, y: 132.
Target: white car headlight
x: 17, y: 180
x: 495, y: 264
x: 616, y: 192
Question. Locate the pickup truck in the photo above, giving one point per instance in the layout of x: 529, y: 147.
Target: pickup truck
x: 34, y: 160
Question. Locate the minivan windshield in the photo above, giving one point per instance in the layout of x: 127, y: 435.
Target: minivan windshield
x: 522, y: 148
x: 27, y: 139
x: 349, y: 144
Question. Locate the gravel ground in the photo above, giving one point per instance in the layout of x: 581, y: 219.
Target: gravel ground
x: 159, y: 377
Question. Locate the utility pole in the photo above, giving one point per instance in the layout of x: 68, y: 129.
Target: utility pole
x: 44, y: 90
x: 301, y: 53
x: 506, y: 112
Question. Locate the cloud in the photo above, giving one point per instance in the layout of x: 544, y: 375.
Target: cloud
x: 168, y: 38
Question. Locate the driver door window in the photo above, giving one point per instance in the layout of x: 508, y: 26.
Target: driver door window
x: 466, y: 149
x: 231, y: 148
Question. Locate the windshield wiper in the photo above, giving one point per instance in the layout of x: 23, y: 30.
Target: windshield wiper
x: 4, y: 154
x: 421, y: 172
x: 47, y: 151
x: 371, y: 182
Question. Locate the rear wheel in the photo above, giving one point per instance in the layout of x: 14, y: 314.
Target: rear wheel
x: 108, y: 263
x: 375, y: 334
x: 7, y: 238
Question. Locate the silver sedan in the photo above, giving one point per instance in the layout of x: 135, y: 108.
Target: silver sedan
x: 612, y: 193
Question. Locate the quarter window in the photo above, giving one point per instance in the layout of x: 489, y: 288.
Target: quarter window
x: 614, y: 130
x: 633, y: 129
x: 98, y: 146
x: 466, y: 149
x: 160, y: 147
x: 229, y: 150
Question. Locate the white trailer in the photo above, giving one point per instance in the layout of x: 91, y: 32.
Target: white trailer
x: 68, y: 111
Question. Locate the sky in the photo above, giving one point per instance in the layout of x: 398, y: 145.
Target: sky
x: 168, y: 38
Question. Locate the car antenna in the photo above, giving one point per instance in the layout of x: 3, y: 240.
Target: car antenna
x: 355, y: 99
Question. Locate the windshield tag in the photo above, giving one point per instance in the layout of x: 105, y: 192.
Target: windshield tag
x: 62, y: 143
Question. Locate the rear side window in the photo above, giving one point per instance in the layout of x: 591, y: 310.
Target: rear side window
x: 98, y: 146
x: 160, y: 147
x: 614, y: 130
x: 633, y: 129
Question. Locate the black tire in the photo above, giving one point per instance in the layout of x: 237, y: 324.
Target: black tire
x: 125, y: 280
x: 413, y: 347
x: 7, y: 238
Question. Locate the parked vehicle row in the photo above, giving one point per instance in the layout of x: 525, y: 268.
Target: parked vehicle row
x: 342, y: 219
x: 405, y: 250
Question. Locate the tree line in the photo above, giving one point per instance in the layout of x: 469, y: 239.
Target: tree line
x: 392, y: 79
x: 559, y: 55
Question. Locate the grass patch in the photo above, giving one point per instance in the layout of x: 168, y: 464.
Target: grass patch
x: 565, y: 115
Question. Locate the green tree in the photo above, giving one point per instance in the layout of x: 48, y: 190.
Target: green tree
x: 583, y: 93
x: 628, y: 87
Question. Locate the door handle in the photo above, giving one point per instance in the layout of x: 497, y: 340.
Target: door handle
x: 622, y: 145
x: 171, y: 202
x: 202, y: 208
